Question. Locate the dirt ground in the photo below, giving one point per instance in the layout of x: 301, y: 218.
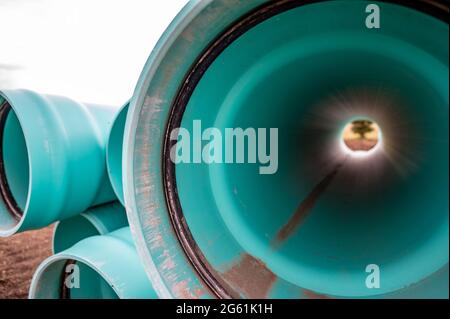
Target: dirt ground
x: 19, y: 257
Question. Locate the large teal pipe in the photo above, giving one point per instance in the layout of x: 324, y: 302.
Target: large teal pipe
x: 114, y: 149
x: 325, y: 224
x: 99, y: 220
x: 98, y: 267
x: 52, y: 161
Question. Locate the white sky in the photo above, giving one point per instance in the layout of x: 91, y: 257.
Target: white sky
x: 90, y: 50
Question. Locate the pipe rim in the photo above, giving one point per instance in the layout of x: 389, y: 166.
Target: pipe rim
x: 67, y: 257
x: 122, y: 271
x: 6, y: 106
x: 156, y: 58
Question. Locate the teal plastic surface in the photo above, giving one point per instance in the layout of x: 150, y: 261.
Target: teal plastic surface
x: 108, y: 268
x: 293, y: 82
x: 54, y: 158
x: 303, y: 66
x: 114, y: 149
x: 99, y: 220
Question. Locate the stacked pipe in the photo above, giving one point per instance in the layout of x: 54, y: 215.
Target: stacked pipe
x: 60, y: 162
x: 314, y: 225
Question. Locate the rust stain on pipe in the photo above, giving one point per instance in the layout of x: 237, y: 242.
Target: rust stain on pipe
x: 305, y: 207
x: 251, y: 276
x: 313, y: 295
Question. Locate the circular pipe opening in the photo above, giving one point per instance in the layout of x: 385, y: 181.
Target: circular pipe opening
x: 361, y: 137
x: 14, y: 168
x: 67, y: 278
x: 322, y: 213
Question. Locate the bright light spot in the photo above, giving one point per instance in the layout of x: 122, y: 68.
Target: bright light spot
x: 361, y: 137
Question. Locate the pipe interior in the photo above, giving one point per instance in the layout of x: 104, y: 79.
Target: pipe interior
x: 309, y: 81
x: 56, y: 275
x: 16, y: 169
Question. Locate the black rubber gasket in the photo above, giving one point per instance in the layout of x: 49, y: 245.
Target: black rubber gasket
x: 436, y: 8
x: 5, y: 192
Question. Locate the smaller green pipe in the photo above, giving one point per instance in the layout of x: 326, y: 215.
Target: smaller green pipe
x: 99, y: 220
x: 114, y: 148
x: 52, y: 159
x: 98, y: 267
